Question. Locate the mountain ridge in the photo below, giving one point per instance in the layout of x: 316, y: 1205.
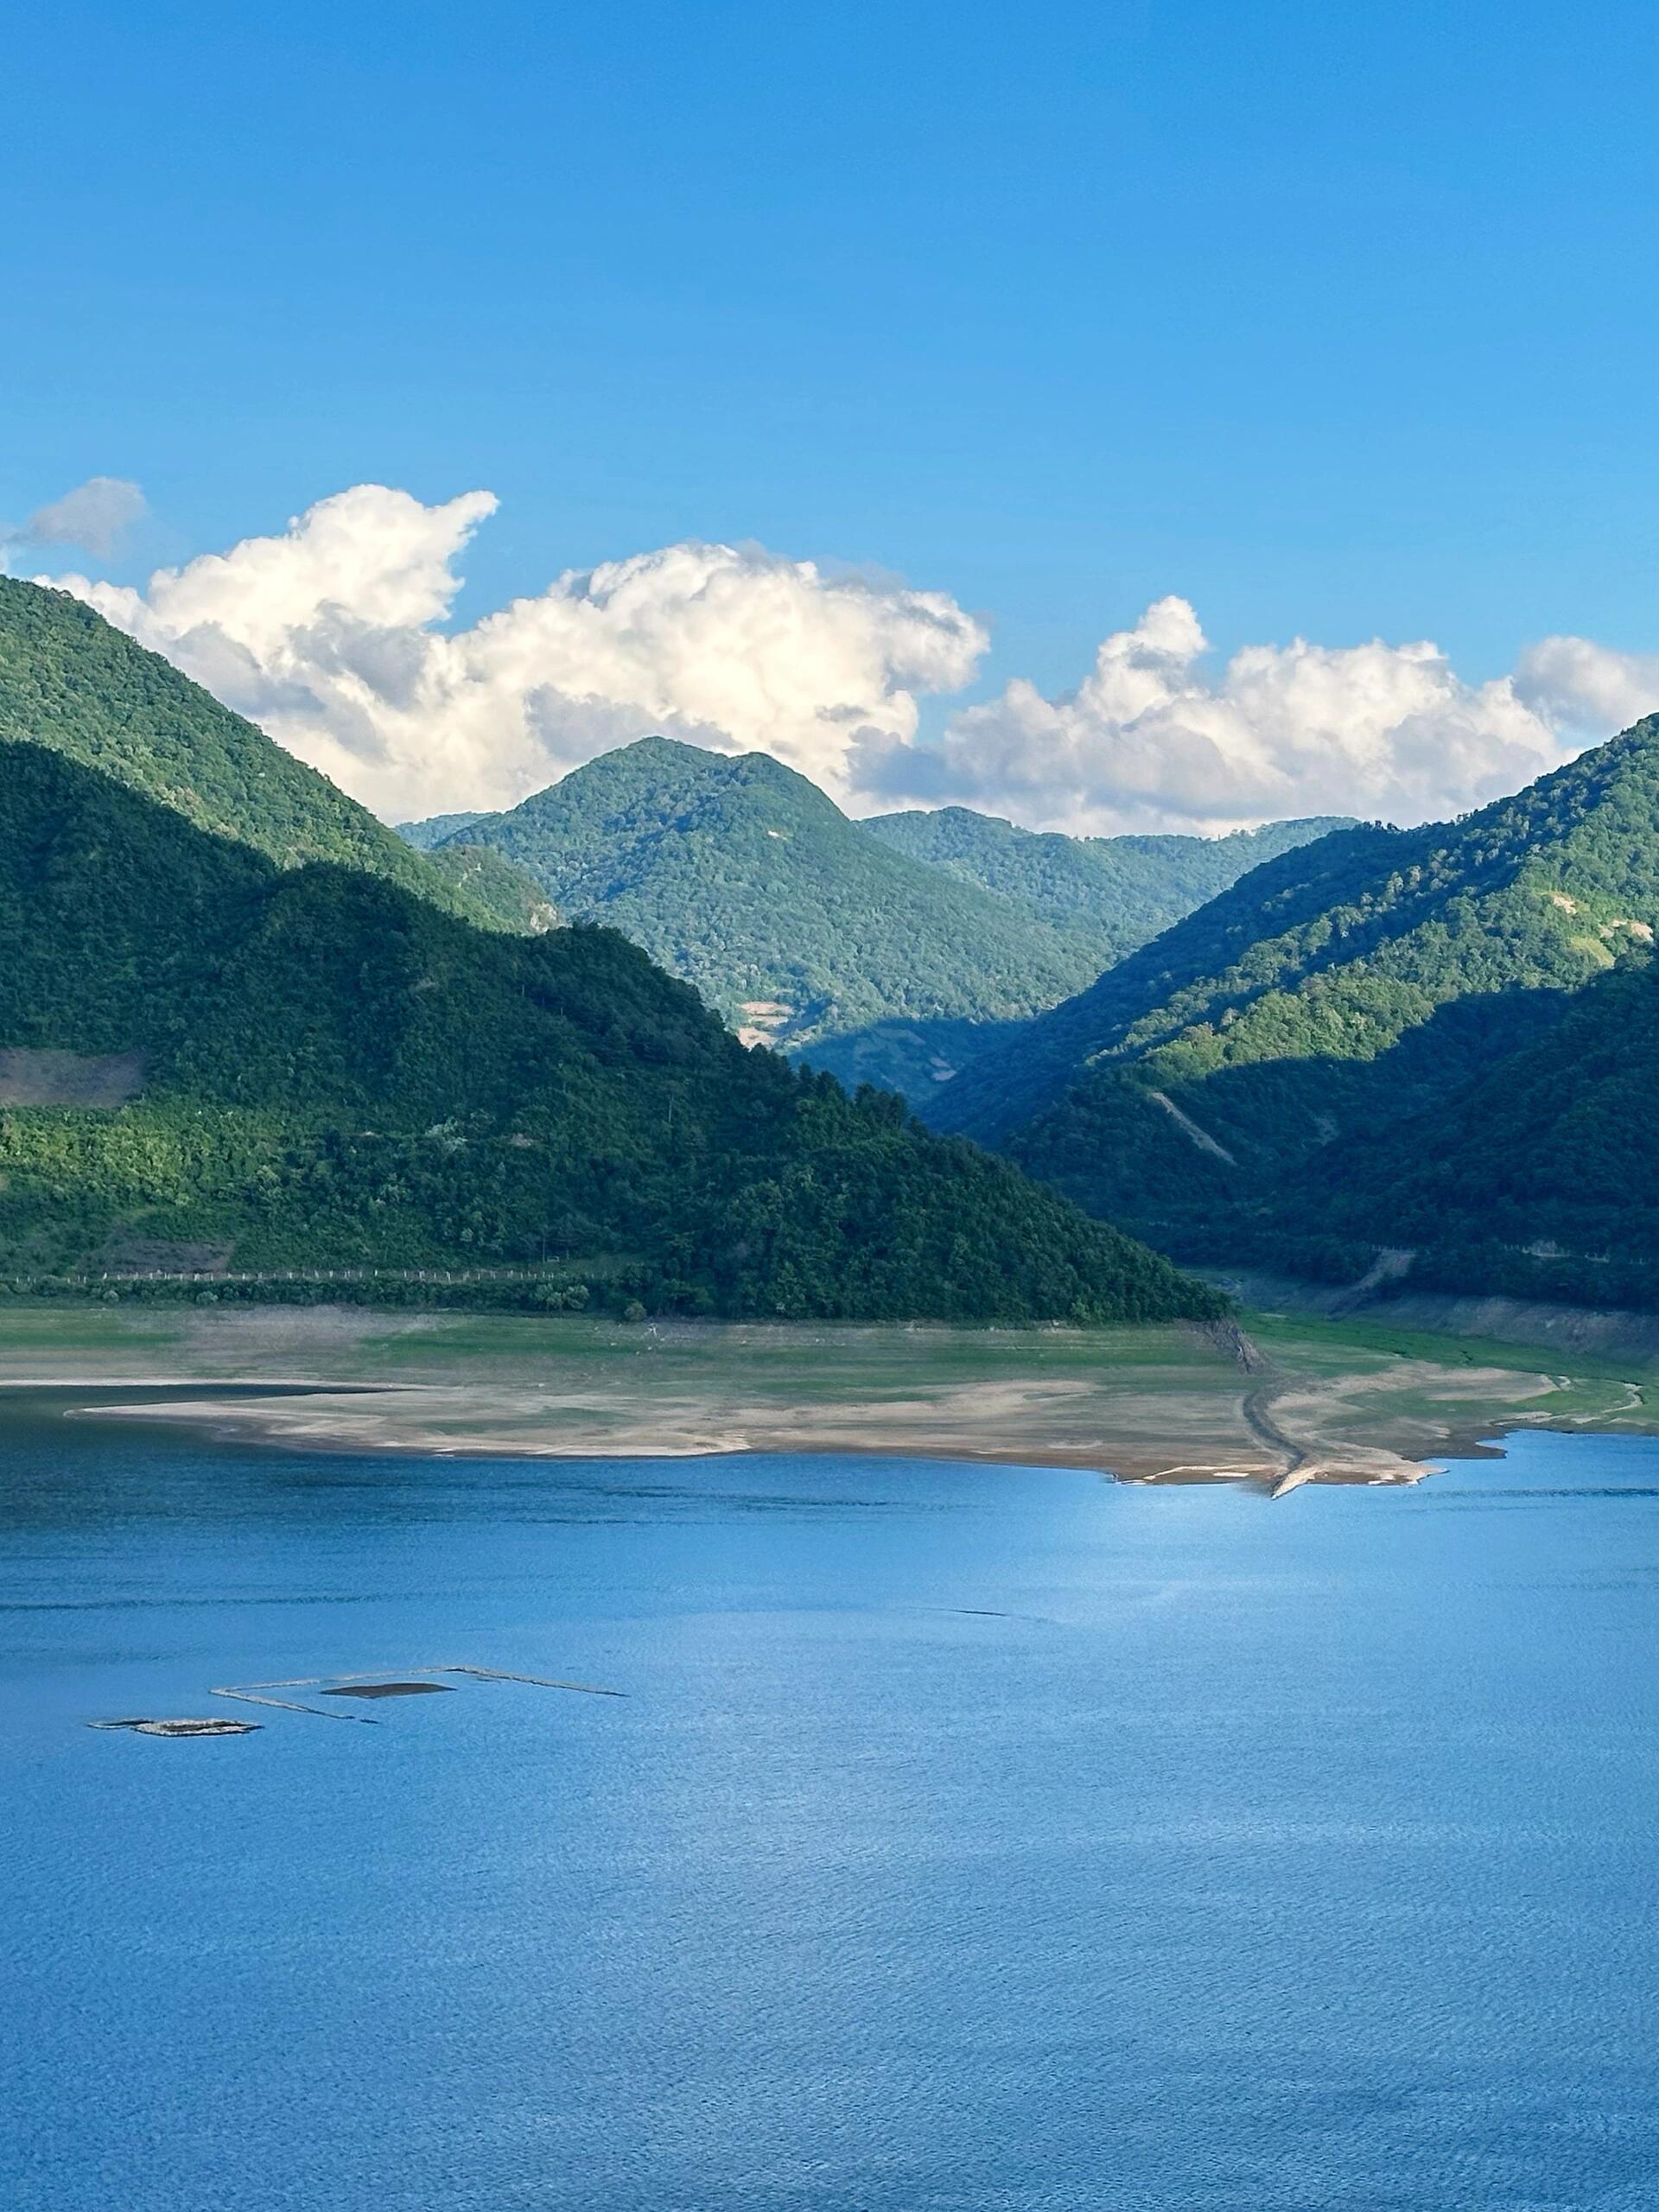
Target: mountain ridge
x: 744, y: 879
x: 826, y: 936
x: 1120, y: 890
x: 71, y: 681
x: 1366, y: 984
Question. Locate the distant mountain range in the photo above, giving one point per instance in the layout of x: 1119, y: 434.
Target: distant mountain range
x: 240, y: 1021
x: 886, y: 951
x: 1426, y: 1038
x: 1111, y: 895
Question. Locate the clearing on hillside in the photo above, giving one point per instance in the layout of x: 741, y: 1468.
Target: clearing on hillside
x: 29, y: 1078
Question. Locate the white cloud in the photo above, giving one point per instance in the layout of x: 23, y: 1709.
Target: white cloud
x: 1152, y: 740
x: 92, y: 516
x: 1585, y: 686
x: 331, y: 635
x: 327, y: 635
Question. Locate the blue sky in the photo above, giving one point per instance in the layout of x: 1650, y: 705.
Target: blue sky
x: 1333, y: 321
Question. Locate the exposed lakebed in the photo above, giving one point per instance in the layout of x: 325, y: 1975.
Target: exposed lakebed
x: 1281, y: 1400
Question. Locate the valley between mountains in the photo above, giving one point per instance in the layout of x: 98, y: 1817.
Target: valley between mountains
x: 676, y: 1037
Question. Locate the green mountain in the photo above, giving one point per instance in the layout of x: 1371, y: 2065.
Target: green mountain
x: 888, y: 951
x: 1222, y: 1089
x: 311, y: 1066
x: 71, y: 681
x: 1284, y: 898
x: 1108, y: 894
x: 796, y: 925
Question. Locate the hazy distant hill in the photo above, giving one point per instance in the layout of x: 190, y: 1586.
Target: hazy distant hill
x: 886, y: 951
x: 423, y: 836
x: 1225, y: 1089
x: 70, y: 680
x: 1109, y: 893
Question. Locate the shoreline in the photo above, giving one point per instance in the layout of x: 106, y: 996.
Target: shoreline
x: 1274, y: 1402
x: 247, y: 1411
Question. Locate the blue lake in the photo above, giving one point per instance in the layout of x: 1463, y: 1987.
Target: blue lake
x: 968, y: 1839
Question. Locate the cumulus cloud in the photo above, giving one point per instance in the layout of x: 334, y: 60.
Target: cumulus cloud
x: 329, y: 636
x: 92, y: 516
x: 1152, y: 739
x: 1577, y: 685
x: 334, y: 634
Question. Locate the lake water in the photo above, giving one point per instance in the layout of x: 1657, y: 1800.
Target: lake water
x: 968, y: 1839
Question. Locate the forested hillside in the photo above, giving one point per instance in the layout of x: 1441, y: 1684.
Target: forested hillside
x: 314, y: 1067
x: 1109, y: 894
x: 1258, y: 928
x: 490, y: 891
x: 888, y: 951
x: 1537, y: 1177
x: 746, y: 881
x: 71, y: 681
x: 1225, y: 1089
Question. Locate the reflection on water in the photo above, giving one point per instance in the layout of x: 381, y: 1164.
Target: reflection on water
x: 968, y: 1838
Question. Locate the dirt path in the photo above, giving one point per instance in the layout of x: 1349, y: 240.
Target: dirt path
x: 1257, y: 1404
x: 1256, y: 1407
x: 1299, y: 1462
x: 1201, y: 1137
x: 1634, y: 1401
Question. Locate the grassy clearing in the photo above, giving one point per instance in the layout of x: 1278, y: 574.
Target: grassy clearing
x: 46, y: 1331
x: 811, y: 1364
x: 1318, y: 1344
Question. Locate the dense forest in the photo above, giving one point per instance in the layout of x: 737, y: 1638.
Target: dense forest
x: 71, y: 681
x: 323, y: 1069
x: 1309, y: 1067
x: 1535, y: 1179
x: 489, y: 890
x: 869, y: 948
x: 238, y: 1015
